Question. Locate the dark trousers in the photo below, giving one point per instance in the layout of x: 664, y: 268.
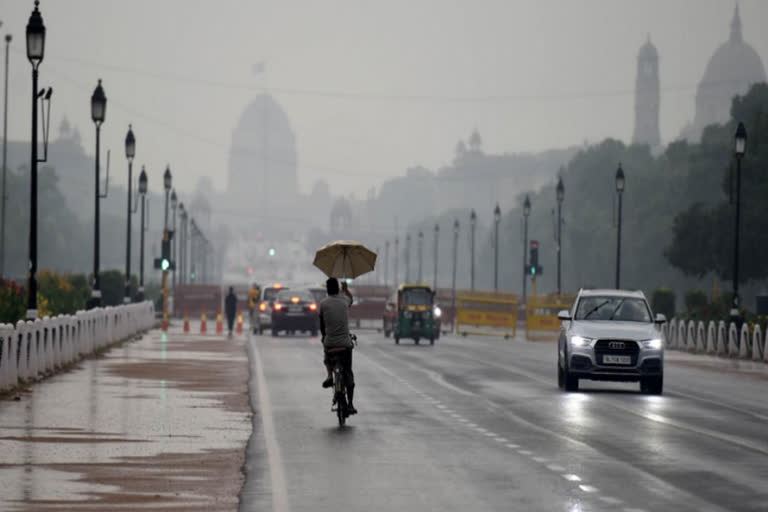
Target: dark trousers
x: 230, y: 321
x: 345, y: 358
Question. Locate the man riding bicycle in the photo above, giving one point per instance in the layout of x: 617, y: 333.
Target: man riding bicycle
x: 337, y: 343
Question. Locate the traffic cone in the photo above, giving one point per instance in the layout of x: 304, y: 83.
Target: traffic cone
x: 186, y: 320
x: 219, y: 324
x: 203, y: 326
x: 239, y: 322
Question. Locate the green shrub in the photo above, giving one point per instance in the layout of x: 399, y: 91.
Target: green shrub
x: 12, y: 302
x: 696, y: 303
x: 663, y: 301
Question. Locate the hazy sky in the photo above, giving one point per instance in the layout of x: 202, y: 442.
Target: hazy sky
x: 371, y: 87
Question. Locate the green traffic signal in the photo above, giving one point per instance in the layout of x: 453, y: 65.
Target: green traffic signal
x: 165, y: 264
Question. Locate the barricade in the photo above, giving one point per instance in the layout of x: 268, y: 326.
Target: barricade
x: 32, y: 349
x: 488, y: 313
x: 541, y: 322
x: 370, y: 303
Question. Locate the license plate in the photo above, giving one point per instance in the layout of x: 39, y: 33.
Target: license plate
x: 295, y: 309
x: 617, y: 359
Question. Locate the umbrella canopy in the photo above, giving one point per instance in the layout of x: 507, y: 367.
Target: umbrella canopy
x: 345, y: 259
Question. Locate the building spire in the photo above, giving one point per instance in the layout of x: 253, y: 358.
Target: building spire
x: 736, y: 25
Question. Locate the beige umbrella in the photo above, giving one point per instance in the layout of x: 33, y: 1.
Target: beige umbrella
x: 345, y: 259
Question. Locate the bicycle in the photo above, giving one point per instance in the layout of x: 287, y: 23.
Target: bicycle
x: 339, y: 404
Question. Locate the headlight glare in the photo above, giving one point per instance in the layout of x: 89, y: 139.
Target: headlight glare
x: 580, y: 341
x: 654, y: 344
x: 437, y: 312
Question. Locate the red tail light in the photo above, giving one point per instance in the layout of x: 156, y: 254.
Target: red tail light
x: 278, y: 306
x: 313, y: 307
x: 263, y: 306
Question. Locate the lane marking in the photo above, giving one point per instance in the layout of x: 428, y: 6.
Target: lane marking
x: 588, y: 488
x: 513, y: 446
x: 610, y: 500
x: 572, y: 478
x: 275, y: 461
x: 541, y: 460
x: 556, y: 468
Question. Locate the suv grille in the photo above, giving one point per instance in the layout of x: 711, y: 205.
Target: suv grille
x: 616, y: 348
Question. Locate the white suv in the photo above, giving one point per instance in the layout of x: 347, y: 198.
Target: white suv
x: 611, y: 335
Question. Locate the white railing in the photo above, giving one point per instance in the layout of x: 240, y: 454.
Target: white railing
x: 716, y: 338
x: 37, y: 348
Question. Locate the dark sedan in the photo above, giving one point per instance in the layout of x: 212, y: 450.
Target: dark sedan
x: 295, y: 311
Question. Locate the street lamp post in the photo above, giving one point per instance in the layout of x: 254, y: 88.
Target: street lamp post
x: 526, y: 214
x: 408, y: 258
x: 130, y: 152
x: 174, y: 205
x: 437, y: 239
x: 386, y: 263
x: 421, y: 254
x: 560, y: 190
x: 143, y: 194
x: 740, y: 148
x: 472, y: 224
x: 98, y: 113
x: 4, y: 196
x: 620, y: 192
x: 455, y: 261
x: 182, y: 241
x: 167, y: 185
x: 35, y: 52
x: 496, y: 221
x: 397, y: 260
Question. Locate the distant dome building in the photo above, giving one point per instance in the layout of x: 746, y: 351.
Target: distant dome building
x: 731, y: 70
x: 262, y: 158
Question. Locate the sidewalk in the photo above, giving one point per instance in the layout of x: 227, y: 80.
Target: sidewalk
x: 157, y: 424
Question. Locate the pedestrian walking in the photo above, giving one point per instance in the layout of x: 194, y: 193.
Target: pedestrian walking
x: 230, y: 308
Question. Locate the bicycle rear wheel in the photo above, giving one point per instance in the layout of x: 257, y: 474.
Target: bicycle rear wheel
x: 341, y: 408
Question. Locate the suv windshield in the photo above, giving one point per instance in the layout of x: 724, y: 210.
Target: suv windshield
x: 622, y: 309
x: 417, y: 297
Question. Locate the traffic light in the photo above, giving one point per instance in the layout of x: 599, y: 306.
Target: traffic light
x: 164, y: 262
x: 534, y: 268
x: 192, y: 276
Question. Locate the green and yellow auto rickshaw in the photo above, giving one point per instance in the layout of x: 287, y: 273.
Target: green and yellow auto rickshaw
x: 416, y: 316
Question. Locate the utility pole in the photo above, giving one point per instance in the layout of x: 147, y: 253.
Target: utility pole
x: 5, y: 157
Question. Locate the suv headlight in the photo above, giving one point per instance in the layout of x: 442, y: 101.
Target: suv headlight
x: 653, y: 344
x: 580, y: 341
x: 437, y: 312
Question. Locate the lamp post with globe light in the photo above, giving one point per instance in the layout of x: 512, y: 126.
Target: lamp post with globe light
x: 142, y: 230
x: 496, y: 221
x: 472, y: 225
x: 455, y: 261
x: 130, y: 153
x: 98, y: 114
x: 35, y: 52
x: 620, y: 192
x: 740, y: 147
x: 560, y: 194
x: 526, y: 214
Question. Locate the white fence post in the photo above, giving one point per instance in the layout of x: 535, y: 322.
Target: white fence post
x: 744, y: 342
x: 733, y: 340
x: 757, y: 343
x: 711, y: 338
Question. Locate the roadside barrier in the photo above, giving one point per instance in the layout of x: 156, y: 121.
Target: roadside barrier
x: 203, y: 323
x: 239, y: 329
x: 43, y: 346
x: 186, y: 321
x: 486, y: 313
x: 716, y: 339
x: 541, y: 319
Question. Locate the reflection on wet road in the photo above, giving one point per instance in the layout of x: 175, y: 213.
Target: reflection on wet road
x: 479, y: 424
x: 160, y: 422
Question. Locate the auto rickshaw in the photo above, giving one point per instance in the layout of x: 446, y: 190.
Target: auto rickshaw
x: 415, y: 314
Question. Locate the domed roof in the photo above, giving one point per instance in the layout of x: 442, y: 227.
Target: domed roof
x: 262, y: 157
x: 731, y: 70
x: 648, y: 50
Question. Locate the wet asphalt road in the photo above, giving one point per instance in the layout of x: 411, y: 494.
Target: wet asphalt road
x: 479, y: 424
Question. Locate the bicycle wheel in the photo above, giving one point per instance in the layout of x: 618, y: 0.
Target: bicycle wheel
x: 341, y: 408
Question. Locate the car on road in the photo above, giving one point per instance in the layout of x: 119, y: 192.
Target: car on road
x: 295, y: 310
x: 264, y: 311
x: 611, y: 335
